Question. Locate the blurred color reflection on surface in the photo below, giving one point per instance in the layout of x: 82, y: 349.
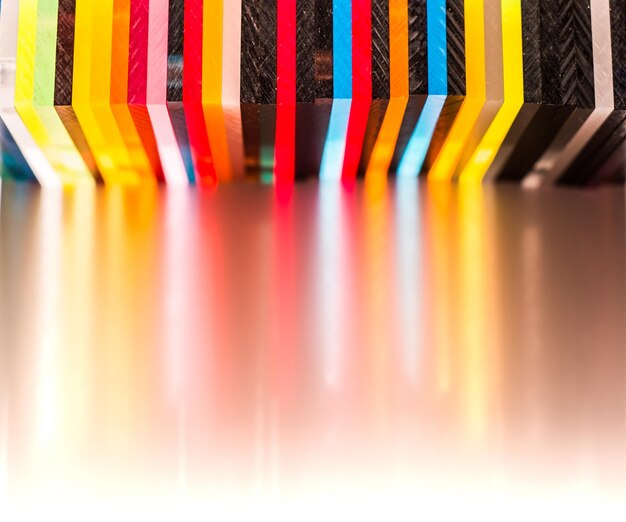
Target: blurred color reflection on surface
x: 400, y: 351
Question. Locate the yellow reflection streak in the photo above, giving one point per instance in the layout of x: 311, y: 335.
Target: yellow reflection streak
x: 129, y: 221
x: 452, y: 149
x: 473, y: 288
x: 440, y: 219
x: 512, y: 50
x: 79, y: 322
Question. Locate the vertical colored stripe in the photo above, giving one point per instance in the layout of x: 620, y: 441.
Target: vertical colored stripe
x: 450, y: 154
x: 192, y: 52
x: 156, y: 93
x: 342, y: 48
x: 133, y: 125
x: 285, y: 146
x: 64, y: 76
x: 286, y: 59
x: 361, y: 49
x: 399, y: 47
x: 231, y: 84
x: 212, y: 47
x: 120, y: 49
x: 361, y: 88
x: 138, y: 51
x: 513, y: 65
x: 192, y: 94
x: 415, y: 154
x: 437, y: 47
x: 212, y: 35
x: 384, y: 148
x: 335, y: 147
x: 231, y: 70
x: 34, y: 99
x: 36, y: 161
x: 25, y: 59
x: 156, y: 52
x: 92, y: 91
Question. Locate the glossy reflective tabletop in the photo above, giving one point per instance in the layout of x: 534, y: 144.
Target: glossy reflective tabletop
x: 406, y: 351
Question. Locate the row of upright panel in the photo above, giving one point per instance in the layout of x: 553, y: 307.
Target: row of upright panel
x: 210, y: 91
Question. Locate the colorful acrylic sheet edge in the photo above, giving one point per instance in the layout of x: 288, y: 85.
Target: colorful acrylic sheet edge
x: 125, y: 127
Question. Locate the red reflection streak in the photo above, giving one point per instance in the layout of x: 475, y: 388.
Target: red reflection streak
x: 283, y: 333
x: 214, y: 373
x: 274, y: 409
x: 285, y: 145
x: 192, y: 96
x: 361, y: 88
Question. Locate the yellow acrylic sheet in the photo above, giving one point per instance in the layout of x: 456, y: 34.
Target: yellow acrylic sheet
x: 34, y: 90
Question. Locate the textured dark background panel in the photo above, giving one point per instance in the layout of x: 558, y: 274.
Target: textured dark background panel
x: 418, y: 58
x: 305, y: 41
x: 175, y: 41
x: 456, y: 47
x: 550, y: 48
x: 558, y: 52
x: 323, y: 48
x: 266, y: 52
x: 576, y: 52
x: 249, y: 64
x: 532, y: 51
x: 381, y: 86
x: 258, y: 51
x: 64, y: 74
x: 618, y: 44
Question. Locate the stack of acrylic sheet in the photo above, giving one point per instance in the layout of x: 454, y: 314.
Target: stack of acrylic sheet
x: 208, y: 91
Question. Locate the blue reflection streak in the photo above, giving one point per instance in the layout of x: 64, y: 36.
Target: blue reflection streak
x: 410, y: 291
x: 335, y: 146
x: 413, y: 159
x: 331, y: 283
